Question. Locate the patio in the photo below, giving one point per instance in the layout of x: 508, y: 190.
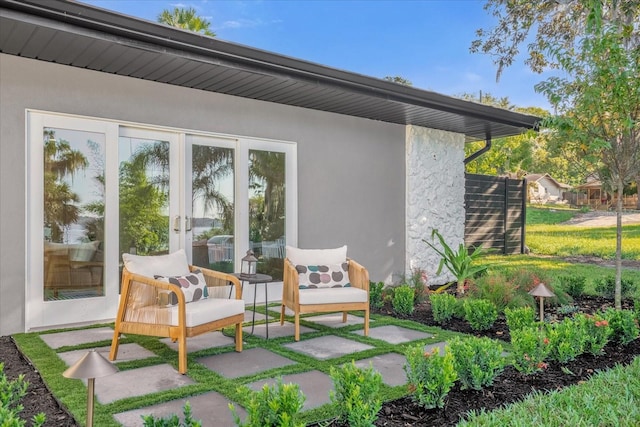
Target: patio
x: 148, y: 381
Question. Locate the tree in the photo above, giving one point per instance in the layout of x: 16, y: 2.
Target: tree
x: 60, y: 202
x: 399, y: 80
x: 599, y: 101
x: 187, y: 19
x: 557, y: 23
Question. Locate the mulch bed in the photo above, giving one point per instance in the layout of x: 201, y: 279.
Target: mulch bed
x: 509, y: 387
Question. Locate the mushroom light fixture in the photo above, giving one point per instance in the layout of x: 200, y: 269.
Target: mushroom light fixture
x: 90, y: 366
x: 542, y: 292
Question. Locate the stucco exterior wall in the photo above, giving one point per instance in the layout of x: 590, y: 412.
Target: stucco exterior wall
x: 435, y: 196
x: 351, y: 171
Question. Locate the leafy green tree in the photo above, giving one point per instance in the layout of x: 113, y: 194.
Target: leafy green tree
x: 142, y: 224
x: 599, y: 100
x: 187, y: 19
x: 60, y: 202
x: 555, y: 23
x: 267, y: 177
x: 398, y: 79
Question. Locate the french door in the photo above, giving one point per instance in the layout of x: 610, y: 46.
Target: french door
x: 102, y: 189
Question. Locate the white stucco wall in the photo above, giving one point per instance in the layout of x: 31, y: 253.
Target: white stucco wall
x: 435, y: 196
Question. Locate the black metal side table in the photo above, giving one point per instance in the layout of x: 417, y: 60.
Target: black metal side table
x: 255, y: 280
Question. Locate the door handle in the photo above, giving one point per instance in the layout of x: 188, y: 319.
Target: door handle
x: 176, y: 223
x: 187, y: 223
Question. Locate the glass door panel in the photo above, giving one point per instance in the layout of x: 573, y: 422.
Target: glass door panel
x: 212, y: 203
x: 74, y: 206
x: 144, y: 183
x: 267, y: 210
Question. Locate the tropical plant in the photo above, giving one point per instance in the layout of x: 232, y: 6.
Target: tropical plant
x: 459, y: 263
x: 60, y: 202
x: 187, y: 19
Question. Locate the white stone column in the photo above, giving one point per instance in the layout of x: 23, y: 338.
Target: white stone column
x: 435, y: 196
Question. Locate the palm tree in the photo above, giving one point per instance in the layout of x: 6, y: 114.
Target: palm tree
x: 187, y: 19
x: 60, y: 202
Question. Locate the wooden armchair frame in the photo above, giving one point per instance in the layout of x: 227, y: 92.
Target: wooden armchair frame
x: 126, y: 319
x: 359, y: 278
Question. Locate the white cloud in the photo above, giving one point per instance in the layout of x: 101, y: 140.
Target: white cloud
x: 245, y: 23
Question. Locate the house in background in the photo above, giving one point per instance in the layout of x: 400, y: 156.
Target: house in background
x: 543, y: 188
x: 336, y: 157
x: 593, y: 195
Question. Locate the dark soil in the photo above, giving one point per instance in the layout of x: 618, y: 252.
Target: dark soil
x: 38, y: 398
x: 510, y: 386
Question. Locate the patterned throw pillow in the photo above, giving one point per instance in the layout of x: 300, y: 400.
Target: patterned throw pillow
x: 193, y: 286
x: 323, y: 276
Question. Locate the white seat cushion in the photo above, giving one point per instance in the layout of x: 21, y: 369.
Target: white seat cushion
x: 332, y: 295
x: 208, y: 310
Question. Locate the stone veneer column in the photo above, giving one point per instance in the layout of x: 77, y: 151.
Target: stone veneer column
x: 435, y: 196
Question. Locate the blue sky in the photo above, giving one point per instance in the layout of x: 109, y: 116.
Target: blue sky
x: 426, y: 42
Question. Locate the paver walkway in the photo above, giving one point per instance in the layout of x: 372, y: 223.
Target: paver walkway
x: 212, y: 407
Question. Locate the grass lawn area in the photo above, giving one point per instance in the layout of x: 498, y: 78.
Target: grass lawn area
x: 547, y: 236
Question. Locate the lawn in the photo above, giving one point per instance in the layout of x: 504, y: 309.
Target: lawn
x: 546, y: 235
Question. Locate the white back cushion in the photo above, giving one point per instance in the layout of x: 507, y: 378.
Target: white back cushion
x: 299, y: 256
x: 174, y: 264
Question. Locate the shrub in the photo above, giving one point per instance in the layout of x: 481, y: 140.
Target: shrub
x: 418, y: 281
x: 606, y: 287
x: 356, y: 394
x: 375, y: 294
x: 526, y: 279
x: 478, y: 361
x: 10, y: 394
x: 430, y: 375
x: 530, y: 349
x: 172, y: 420
x: 480, y: 313
x: 273, y: 406
x: 403, y: 300
x: 624, y: 326
x: 596, y: 332
x: 497, y: 289
x: 443, y: 307
x: 518, y: 318
x: 566, y: 340
x: 573, y: 284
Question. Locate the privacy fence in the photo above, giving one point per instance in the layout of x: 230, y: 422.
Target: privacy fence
x: 495, y: 213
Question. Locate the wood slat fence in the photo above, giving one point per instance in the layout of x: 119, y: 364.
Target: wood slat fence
x: 495, y: 213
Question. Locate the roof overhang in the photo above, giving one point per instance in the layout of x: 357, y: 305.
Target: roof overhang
x: 79, y: 35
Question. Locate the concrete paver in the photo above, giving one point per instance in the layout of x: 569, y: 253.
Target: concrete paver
x: 327, y: 347
x: 203, y: 341
x: 395, y: 334
x: 249, y: 362
x: 81, y: 336
x: 210, y: 408
x: 276, y: 330
x: 126, y: 353
x: 389, y: 365
x: 138, y: 382
x: 334, y: 320
x: 315, y: 386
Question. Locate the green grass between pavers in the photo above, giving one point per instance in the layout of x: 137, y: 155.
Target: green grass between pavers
x: 72, y: 393
x: 556, y: 267
x: 547, y: 236
x: 608, y: 399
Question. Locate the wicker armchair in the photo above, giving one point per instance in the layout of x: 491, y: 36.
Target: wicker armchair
x: 146, y: 309
x: 301, y: 299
